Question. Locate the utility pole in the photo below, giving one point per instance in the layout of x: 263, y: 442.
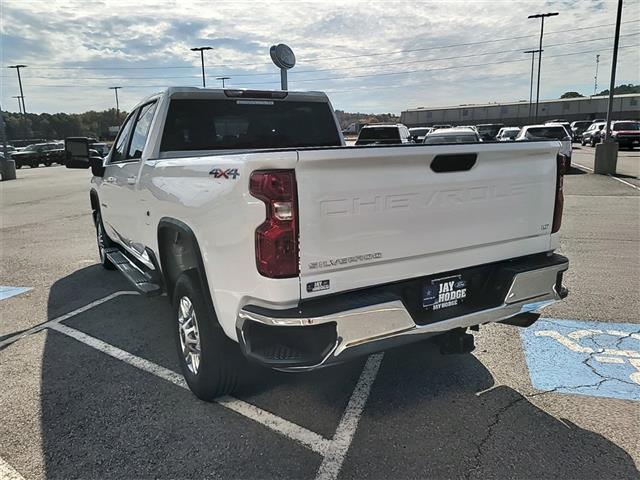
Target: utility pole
x: 223, y: 79
x: 533, y: 56
x: 19, y: 104
x: 115, y: 89
x: 606, y: 160
x: 614, y: 61
x: 541, y: 16
x: 201, y: 50
x: 18, y: 67
x: 595, y: 78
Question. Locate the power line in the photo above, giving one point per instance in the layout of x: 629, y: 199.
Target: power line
x: 353, y: 67
x: 354, y: 76
x: 234, y: 65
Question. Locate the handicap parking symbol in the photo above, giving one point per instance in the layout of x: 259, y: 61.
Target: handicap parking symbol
x: 585, y: 358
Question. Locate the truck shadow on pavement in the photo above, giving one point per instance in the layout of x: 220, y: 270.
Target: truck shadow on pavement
x: 424, y: 418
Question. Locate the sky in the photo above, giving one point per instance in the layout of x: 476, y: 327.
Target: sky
x: 370, y: 56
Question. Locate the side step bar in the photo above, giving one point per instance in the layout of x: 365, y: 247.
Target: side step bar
x: 142, y: 281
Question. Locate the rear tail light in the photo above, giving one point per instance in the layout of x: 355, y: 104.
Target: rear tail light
x: 563, y: 164
x: 277, y: 237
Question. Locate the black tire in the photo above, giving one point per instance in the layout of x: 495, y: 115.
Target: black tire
x: 582, y: 142
x: 104, y: 242
x: 47, y: 164
x: 220, y: 361
x: 593, y: 142
x: 35, y: 165
x: 18, y: 165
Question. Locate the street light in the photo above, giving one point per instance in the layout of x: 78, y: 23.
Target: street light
x: 18, y: 67
x: 19, y: 104
x: 201, y: 50
x: 541, y: 16
x: 223, y: 79
x: 115, y: 89
x: 533, y: 56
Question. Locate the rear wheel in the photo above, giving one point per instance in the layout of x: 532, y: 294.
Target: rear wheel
x: 47, y: 164
x: 210, y: 361
x: 104, y: 242
x: 593, y: 142
x: 582, y: 142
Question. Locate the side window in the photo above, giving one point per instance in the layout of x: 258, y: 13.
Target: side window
x: 121, y: 143
x: 141, y: 130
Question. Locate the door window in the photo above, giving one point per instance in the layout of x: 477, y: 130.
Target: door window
x: 141, y: 130
x: 120, y: 146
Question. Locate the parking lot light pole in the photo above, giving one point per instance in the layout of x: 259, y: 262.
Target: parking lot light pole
x: 115, y: 89
x: 533, y: 57
x: 18, y: 67
x: 201, y: 50
x: 19, y: 104
x: 223, y: 79
x: 541, y: 16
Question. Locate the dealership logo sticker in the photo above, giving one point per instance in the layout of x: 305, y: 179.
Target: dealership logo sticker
x: 585, y: 358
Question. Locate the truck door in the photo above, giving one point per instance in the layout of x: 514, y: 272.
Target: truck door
x: 119, y: 192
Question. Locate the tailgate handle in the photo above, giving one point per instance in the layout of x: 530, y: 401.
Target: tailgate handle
x: 456, y: 162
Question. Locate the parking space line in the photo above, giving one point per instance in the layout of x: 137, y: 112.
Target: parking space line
x: 625, y: 182
x: 339, y: 445
x: 7, y: 472
x: 64, y: 317
x: 295, y: 432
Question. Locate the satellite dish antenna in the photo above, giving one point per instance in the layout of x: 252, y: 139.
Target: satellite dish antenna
x: 283, y: 57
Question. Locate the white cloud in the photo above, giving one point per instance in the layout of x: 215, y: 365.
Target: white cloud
x: 53, y: 37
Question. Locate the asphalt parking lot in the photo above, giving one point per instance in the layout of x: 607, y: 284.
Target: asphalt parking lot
x: 90, y: 387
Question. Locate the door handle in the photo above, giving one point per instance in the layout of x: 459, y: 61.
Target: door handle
x: 131, y: 180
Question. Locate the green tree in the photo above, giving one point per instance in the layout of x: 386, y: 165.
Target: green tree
x: 571, y: 95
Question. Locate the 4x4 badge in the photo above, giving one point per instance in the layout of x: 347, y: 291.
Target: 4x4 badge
x: 228, y: 173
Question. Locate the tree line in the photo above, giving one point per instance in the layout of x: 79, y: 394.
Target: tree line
x: 57, y: 126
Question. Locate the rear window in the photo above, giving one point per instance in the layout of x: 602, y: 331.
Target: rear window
x: 432, y: 139
x: 555, y: 133
x: 419, y: 132
x: 626, y: 126
x: 379, y: 133
x: 210, y: 124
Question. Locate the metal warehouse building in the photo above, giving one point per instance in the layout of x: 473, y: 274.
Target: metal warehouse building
x: 517, y: 113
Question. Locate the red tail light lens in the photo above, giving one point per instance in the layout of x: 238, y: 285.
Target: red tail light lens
x: 563, y: 165
x: 277, y: 238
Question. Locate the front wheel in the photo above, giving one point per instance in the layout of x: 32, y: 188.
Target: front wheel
x: 47, y: 164
x: 210, y: 361
x: 593, y: 142
x: 582, y: 142
x: 104, y: 242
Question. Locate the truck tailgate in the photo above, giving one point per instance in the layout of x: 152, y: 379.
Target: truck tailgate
x: 382, y: 214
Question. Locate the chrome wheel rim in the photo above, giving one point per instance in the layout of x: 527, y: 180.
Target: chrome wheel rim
x: 189, y: 334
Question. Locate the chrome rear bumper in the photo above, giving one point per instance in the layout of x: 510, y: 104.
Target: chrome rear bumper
x: 376, y: 327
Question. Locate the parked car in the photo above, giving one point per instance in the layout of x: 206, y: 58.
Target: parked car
x: 39, y: 153
x: 508, y: 134
x: 626, y: 133
x: 277, y: 249
x: 417, y: 133
x: 102, y: 149
x: 379, y: 134
x: 488, y: 131
x: 578, y: 128
x: 564, y: 123
x: 592, y: 134
x: 548, y: 131
x: 452, y: 135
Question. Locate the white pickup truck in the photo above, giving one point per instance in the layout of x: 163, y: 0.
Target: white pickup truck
x: 280, y: 245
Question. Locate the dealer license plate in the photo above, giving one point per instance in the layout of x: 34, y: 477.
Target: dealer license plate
x: 441, y: 293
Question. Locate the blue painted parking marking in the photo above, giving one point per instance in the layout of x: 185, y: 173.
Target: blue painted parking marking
x: 7, y: 292
x: 585, y: 358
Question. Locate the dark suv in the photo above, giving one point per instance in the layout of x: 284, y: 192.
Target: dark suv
x: 34, y: 155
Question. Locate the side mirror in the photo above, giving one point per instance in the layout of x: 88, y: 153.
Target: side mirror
x: 77, y: 152
x: 97, y: 165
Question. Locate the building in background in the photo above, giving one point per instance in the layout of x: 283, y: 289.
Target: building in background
x: 625, y: 107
